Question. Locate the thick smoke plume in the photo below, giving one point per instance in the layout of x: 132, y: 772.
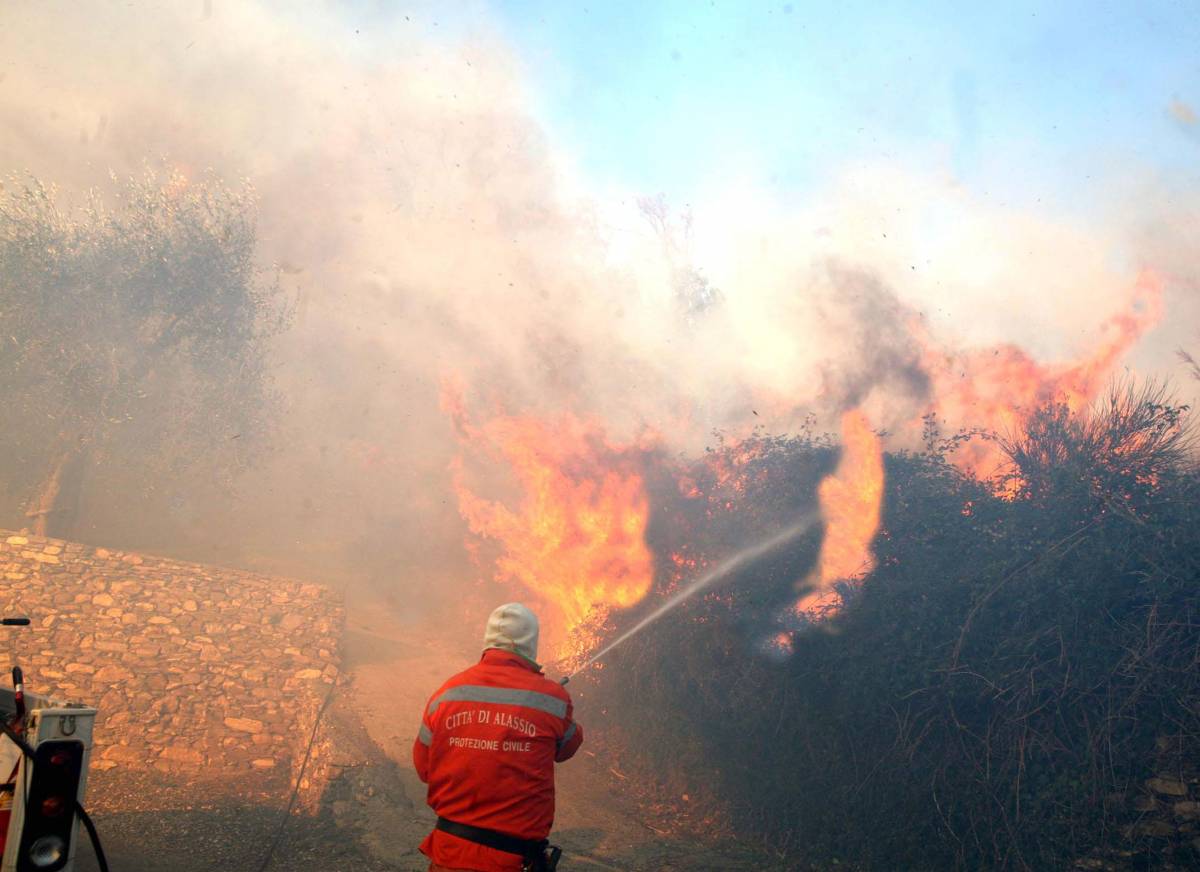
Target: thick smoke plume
x: 428, y: 230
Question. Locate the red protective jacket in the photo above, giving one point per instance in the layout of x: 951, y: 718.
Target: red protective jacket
x: 488, y: 743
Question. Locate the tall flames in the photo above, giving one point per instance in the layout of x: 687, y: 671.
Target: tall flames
x: 993, y: 389
x: 574, y: 537
x: 572, y: 529
x: 851, y: 501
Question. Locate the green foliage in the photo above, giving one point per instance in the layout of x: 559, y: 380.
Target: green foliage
x: 135, y: 334
x: 1008, y: 666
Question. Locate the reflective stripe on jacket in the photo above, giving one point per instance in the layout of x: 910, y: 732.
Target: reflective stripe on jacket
x: 487, y: 746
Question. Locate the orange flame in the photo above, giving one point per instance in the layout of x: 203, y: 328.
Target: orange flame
x: 576, y: 536
x: 851, y: 502
x: 995, y: 388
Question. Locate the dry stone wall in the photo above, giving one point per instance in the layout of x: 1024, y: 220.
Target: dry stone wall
x: 197, y: 672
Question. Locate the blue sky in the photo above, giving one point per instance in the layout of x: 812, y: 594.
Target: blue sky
x: 1028, y: 101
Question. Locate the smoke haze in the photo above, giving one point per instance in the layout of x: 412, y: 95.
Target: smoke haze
x: 428, y: 230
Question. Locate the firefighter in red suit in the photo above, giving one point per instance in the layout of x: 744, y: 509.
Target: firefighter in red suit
x: 487, y: 746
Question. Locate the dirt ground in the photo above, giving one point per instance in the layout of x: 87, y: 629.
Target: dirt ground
x: 394, y: 670
x: 373, y: 815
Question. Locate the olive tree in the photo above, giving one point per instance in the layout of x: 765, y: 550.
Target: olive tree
x: 134, y: 336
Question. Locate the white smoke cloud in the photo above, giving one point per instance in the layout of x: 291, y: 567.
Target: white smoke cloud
x: 428, y: 229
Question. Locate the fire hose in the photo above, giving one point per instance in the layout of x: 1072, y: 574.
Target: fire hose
x: 287, y: 812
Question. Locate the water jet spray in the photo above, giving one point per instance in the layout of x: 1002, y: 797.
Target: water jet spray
x: 705, y: 581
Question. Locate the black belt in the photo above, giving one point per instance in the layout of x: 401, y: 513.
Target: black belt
x: 526, y: 849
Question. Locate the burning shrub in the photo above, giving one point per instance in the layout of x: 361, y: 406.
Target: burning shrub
x: 1006, y: 670
x: 1117, y: 450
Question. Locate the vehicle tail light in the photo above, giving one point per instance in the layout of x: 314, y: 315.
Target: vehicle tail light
x: 50, y: 807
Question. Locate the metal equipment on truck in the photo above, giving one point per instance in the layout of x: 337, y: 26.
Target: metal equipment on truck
x: 45, y: 748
